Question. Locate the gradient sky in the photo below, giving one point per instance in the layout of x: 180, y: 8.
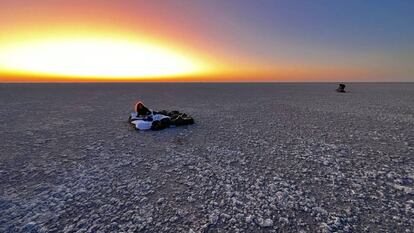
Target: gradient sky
x: 232, y: 40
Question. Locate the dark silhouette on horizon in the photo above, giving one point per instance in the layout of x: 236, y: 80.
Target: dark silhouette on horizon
x: 341, y: 88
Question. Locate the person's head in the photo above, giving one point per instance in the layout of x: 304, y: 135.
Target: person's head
x: 139, y: 105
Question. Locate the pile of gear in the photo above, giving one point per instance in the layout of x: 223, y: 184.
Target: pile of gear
x: 145, y: 119
x: 341, y: 88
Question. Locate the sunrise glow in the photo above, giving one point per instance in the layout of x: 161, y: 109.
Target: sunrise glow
x: 96, y: 57
x: 43, y: 41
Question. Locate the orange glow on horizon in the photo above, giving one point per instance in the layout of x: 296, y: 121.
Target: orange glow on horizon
x: 90, y: 55
x: 292, y: 74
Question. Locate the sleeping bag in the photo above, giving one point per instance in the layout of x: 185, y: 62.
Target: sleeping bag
x: 160, y: 120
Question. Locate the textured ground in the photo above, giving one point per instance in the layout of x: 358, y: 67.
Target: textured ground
x: 261, y: 158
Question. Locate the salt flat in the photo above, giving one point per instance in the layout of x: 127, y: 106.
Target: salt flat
x: 260, y: 158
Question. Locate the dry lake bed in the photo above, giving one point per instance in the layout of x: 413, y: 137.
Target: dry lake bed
x: 260, y: 158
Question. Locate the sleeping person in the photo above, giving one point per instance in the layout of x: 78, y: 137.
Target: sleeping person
x: 141, y: 110
x: 144, y: 118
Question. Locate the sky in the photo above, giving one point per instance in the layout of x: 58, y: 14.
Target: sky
x: 214, y: 40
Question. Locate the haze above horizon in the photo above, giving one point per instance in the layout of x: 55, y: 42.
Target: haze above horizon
x: 234, y: 40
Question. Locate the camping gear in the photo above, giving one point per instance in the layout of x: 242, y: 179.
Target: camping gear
x: 341, y: 88
x: 159, y: 120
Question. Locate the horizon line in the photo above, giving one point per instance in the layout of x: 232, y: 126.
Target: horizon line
x: 224, y: 82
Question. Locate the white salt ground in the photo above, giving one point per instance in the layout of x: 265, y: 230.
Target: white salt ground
x: 260, y: 158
